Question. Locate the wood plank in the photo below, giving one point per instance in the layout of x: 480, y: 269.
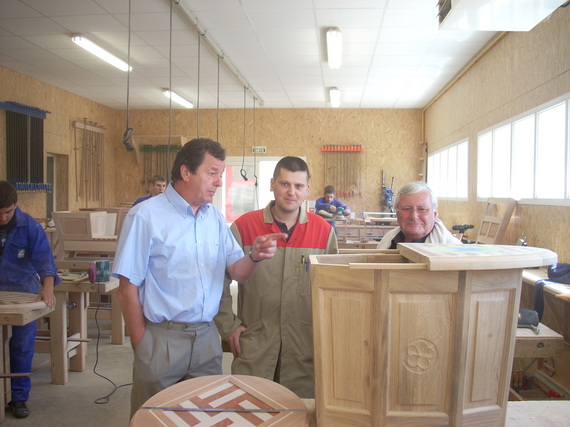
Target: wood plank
x: 476, y: 257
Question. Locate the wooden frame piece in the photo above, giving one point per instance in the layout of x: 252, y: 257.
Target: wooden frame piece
x: 493, y: 226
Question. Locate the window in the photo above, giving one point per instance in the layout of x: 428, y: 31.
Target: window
x: 447, y: 172
x: 527, y: 157
x: 238, y: 196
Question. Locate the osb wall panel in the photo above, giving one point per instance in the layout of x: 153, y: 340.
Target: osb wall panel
x: 522, y: 71
x: 390, y: 139
x: 64, y: 108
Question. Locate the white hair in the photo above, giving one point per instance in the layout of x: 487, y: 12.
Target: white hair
x: 416, y: 187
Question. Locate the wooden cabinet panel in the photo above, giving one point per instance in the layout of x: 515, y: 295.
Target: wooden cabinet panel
x: 399, y: 344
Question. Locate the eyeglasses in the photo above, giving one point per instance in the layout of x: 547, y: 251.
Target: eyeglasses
x: 420, y: 211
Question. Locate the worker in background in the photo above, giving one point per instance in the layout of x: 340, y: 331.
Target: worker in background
x: 416, y: 211
x: 173, y: 254
x: 26, y: 265
x: 157, y: 186
x: 271, y: 336
x: 329, y: 206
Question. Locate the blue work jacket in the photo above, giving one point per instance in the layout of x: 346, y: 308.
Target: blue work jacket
x: 27, y: 259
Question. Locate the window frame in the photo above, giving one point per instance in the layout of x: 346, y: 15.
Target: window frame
x: 512, y: 122
x: 453, y: 164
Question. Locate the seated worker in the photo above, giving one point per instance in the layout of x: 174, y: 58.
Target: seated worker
x: 157, y: 186
x: 328, y: 205
x: 416, y: 211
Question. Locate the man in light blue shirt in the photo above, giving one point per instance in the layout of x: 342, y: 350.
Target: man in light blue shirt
x: 173, y: 253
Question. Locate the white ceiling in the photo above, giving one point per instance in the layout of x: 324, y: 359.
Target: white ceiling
x: 394, y: 55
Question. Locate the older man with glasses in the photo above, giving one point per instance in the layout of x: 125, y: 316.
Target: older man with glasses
x: 416, y: 210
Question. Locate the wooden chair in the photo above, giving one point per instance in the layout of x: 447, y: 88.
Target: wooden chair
x: 494, y: 225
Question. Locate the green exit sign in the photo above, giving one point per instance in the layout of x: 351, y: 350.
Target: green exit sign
x: 259, y: 150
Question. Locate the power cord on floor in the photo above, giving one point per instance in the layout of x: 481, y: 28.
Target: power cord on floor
x: 104, y: 399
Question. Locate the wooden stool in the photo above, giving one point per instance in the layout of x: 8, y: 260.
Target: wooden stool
x: 239, y: 399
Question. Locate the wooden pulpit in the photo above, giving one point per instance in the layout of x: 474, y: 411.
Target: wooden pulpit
x: 421, y: 335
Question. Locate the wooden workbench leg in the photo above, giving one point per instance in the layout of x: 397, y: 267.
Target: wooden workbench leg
x: 5, y: 385
x: 78, y: 327
x: 566, y: 320
x: 117, y: 320
x: 58, y: 340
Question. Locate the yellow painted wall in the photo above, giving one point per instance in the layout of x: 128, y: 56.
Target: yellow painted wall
x: 522, y: 71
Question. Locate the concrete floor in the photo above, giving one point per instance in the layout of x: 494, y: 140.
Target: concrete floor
x: 73, y: 404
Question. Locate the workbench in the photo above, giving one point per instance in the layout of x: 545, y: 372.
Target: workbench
x: 556, y: 310
x: 360, y: 230
x: 68, y: 330
x: 546, y: 344
x: 28, y: 309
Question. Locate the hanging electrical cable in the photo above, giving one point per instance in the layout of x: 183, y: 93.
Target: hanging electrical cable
x: 167, y: 165
x: 255, y: 200
x: 218, y: 104
x: 127, y: 136
x: 130, y: 147
x: 242, y: 170
x: 200, y: 35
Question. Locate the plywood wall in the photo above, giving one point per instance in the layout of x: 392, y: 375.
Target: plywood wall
x: 59, y: 140
x: 390, y: 139
x: 522, y: 71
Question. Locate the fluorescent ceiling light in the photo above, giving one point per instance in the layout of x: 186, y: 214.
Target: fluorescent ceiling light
x: 334, y: 47
x: 177, y: 98
x: 98, y: 51
x: 334, y: 94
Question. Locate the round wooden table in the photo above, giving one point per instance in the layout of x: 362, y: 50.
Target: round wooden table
x: 227, y: 399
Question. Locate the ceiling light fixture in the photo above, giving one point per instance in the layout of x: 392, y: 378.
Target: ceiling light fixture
x: 334, y: 47
x: 98, y: 51
x: 177, y: 98
x: 334, y: 94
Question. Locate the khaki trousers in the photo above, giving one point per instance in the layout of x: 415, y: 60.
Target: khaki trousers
x: 170, y: 352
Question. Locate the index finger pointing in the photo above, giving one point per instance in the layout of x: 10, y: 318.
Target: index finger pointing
x: 275, y: 236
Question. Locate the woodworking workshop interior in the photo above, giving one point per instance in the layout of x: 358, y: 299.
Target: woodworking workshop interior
x: 318, y: 213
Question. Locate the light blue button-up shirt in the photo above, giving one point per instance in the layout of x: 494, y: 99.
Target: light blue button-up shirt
x: 178, y: 260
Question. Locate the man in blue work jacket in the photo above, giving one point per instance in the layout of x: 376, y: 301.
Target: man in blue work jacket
x: 26, y: 265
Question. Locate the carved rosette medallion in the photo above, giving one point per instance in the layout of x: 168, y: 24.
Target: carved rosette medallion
x: 420, y: 355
